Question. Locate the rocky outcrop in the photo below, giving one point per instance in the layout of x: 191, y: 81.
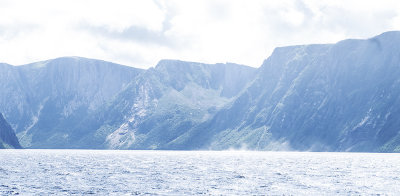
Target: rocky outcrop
x: 8, y: 139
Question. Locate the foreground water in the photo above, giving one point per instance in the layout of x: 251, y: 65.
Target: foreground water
x: 101, y: 172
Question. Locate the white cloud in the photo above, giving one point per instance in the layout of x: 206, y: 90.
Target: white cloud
x: 140, y: 33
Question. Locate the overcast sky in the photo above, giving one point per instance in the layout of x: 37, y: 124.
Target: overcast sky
x: 140, y: 33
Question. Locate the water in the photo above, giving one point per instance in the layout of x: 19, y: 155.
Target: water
x: 101, y: 172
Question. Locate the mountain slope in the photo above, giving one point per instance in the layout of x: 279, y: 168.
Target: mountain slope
x: 74, y: 102
x: 45, y: 100
x: 327, y: 97
x: 8, y: 139
x: 163, y: 103
x: 334, y: 97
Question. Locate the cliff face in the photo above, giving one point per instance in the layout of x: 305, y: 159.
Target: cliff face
x: 8, y: 139
x: 44, y: 101
x: 74, y: 102
x: 334, y: 97
x: 328, y: 97
x: 163, y: 103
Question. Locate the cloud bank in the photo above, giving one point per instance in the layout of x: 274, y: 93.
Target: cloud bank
x: 140, y: 33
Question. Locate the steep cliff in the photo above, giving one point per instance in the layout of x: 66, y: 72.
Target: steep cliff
x: 8, y: 139
x: 333, y: 97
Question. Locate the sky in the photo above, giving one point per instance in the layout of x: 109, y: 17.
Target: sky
x: 140, y: 33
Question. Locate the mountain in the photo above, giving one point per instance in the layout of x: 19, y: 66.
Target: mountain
x: 43, y: 101
x: 163, y: 103
x: 75, y: 102
x: 329, y: 97
x: 8, y: 139
x: 321, y: 97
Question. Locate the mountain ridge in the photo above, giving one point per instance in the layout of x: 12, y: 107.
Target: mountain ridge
x: 318, y: 97
x: 301, y: 90
x: 65, y: 100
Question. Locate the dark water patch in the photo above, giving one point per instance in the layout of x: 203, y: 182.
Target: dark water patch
x: 240, y: 176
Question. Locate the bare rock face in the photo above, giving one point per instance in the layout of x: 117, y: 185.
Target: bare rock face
x: 44, y: 101
x: 330, y: 97
x: 8, y: 139
x: 75, y: 102
x: 327, y: 97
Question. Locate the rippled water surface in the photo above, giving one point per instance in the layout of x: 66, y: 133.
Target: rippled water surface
x: 101, y: 172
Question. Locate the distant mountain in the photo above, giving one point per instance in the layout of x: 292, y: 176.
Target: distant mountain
x: 8, y: 139
x: 84, y: 103
x: 332, y: 97
x: 43, y: 101
x: 163, y: 103
x: 327, y: 97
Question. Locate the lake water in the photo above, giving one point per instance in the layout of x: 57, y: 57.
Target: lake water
x: 104, y: 172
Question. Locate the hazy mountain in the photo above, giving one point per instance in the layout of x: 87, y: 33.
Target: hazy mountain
x: 44, y: 100
x: 75, y: 102
x: 163, y: 103
x: 8, y: 139
x: 333, y: 97
x: 328, y: 97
